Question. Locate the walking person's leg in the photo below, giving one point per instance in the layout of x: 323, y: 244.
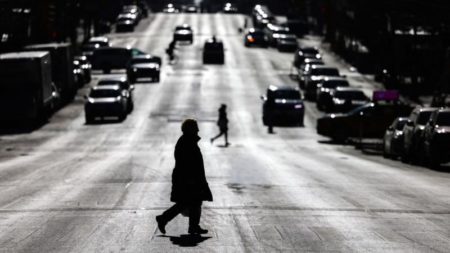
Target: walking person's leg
x: 195, y: 212
x: 215, y: 137
x: 168, y: 215
x: 226, y: 137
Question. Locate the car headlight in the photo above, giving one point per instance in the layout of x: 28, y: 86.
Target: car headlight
x: 299, y: 106
x: 90, y: 100
x: 118, y: 98
x: 339, y: 101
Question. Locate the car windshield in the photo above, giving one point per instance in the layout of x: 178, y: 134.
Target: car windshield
x: 443, y: 119
x: 310, y: 51
x: 178, y: 28
x: 123, y: 85
x: 257, y: 34
x: 334, y: 84
x: 141, y: 60
x: 361, y: 108
x: 286, y: 94
x: 104, y: 93
x: 214, y: 46
x: 325, y: 72
x: 357, y: 95
x: 423, y: 117
x: 401, y: 124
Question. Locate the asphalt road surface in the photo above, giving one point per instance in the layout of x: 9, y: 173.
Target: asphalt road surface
x: 71, y: 187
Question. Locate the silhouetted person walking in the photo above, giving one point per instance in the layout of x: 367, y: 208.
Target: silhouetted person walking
x: 170, y: 51
x: 223, y: 124
x: 189, y: 185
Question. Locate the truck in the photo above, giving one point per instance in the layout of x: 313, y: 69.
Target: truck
x: 62, y: 68
x: 26, y: 90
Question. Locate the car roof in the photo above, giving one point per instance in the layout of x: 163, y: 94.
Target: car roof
x: 425, y: 109
x: 322, y: 67
x: 282, y: 87
x: 99, y: 39
x: 348, y: 89
x: 334, y: 78
x: 107, y: 87
x: 184, y: 26
x: 113, y: 79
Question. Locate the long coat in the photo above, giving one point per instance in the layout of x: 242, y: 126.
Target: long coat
x: 188, y: 178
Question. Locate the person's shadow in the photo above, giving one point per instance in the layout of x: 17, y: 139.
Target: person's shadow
x: 186, y: 240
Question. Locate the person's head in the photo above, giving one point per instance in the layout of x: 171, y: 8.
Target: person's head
x: 189, y: 127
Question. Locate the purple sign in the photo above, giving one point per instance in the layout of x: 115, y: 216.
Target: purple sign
x: 385, y: 95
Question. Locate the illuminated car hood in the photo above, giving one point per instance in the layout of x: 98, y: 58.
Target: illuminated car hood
x: 443, y: 129
x: 102, y: 100
x: 150, y: 65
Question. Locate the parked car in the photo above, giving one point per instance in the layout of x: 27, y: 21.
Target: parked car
x: 183, y: 33
x: 112, y: 58
x: 304, y: 53
x: 105, y: 101
x: 393, y: 138
x: 144, y: 66
x: 281, y: 105
x: 304, y: 68
x: 274, y: 32
x: 367, y: 121
x: 413, y: 133
x: 255, y: 37
x: 287, y: 43
x: 191, y: 9
x: 324, y: 90
x: 125, y: 85
x: 213, y: 52
x: 170, y: 8
x: 314, y: 76
x: 437, y: 138
x: 230, y: 8
x: 345, y: 99
x: 85, y: 67
x: 126, y: 22
x: 87, y: 49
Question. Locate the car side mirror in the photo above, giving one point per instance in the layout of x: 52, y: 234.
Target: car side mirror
x: 263, y: 97
x: 391, y: 128
x: 131, y: 87
x: 344, y: 76
x: 409, y: 123
x: 85, y: 97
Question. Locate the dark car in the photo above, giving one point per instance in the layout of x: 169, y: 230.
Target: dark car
x: 325, y: 88
x: 213, y: 52
x: 255, y: 37
x: 191, y: 9
x: 413, y: 133
x: 126, y: 22
x: 105, y: 101
x: 144, y: 66
x: 393, y: 138
x: 315, y: 75
x: 124, y: 85
x: 437, y: 138
x: 274, y: 32
x: 85, y: 67
x: 304, y: 68
x: 281, y: 105
x: 304, y: 53
x: 287, y: 43
x: 110, y: 58
x: 230, y: 8
x: 170, y: 8
x: 367, y: 121
x: 87, y: 49
x: 183, y: 33
x: 344, y: 99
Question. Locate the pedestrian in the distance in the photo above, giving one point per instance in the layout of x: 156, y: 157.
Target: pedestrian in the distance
x: 222, y: 123
x: 189, y: 185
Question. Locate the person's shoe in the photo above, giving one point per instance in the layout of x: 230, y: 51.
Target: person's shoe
x: 197, y: 230
x: 211, y: 140
x: 161, y: 224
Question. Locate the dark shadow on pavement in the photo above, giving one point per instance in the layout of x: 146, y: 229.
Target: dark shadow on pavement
x: 186, y: 240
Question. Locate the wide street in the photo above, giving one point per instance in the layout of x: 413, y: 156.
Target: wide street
x: 72, y: 187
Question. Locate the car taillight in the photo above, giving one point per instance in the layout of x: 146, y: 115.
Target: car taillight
x: 250, y: 39
x: 299, y: 106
